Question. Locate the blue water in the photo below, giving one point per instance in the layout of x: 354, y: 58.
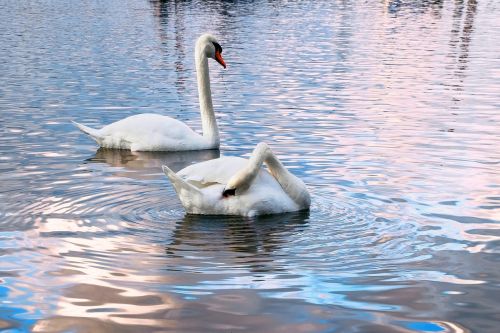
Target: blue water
x: 388, y: 111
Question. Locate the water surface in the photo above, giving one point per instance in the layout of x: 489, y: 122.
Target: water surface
x: 388, y: 110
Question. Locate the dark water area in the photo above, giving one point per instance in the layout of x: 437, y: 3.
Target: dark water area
x: 388, y: 110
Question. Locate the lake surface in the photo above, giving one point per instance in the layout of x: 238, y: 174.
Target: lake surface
x: 388, y: 110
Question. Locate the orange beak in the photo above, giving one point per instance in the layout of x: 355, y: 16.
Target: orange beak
x: 218, y: 58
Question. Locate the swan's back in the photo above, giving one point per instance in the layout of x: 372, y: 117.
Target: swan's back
x: 149, y: 124
x: 150, y: 132
x: 218, y: 170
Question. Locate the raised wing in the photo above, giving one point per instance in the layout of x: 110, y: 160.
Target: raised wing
x: 213, y: 171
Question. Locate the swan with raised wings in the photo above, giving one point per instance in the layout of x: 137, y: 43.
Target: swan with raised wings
x: 238, y: 186
x: 154, y: 132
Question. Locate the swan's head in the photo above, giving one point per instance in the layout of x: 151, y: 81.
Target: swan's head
x: 228, y: 192
x: 207, y: 44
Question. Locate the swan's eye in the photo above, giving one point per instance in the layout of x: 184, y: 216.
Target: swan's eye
x: 228, y: 193
x: 218, y: 56
x: 218, y: 48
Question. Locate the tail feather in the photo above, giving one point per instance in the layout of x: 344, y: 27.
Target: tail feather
x: 180, y: 184
x: 93, y: 133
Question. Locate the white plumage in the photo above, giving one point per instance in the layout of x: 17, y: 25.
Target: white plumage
x: 147, y: 132
x: 154, y: 132
x: 237, y: 186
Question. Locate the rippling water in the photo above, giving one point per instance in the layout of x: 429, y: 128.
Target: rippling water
x: 388, y: 110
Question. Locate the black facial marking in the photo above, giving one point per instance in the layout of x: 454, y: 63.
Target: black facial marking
x: 217, y: 47
x: 228, y: 193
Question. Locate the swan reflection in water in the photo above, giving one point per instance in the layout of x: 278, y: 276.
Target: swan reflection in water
x: 242, y: 242
x: 142, y: 281
x: 147, y: 165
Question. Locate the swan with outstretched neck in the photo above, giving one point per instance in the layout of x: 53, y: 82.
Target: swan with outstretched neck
x: 154, y: 132
x: 238, y: 186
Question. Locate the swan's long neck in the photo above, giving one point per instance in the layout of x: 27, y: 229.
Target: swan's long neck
x: 208, y: 121
x: 293, y: 186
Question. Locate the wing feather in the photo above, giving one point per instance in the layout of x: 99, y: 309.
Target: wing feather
x: 213, y: 171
